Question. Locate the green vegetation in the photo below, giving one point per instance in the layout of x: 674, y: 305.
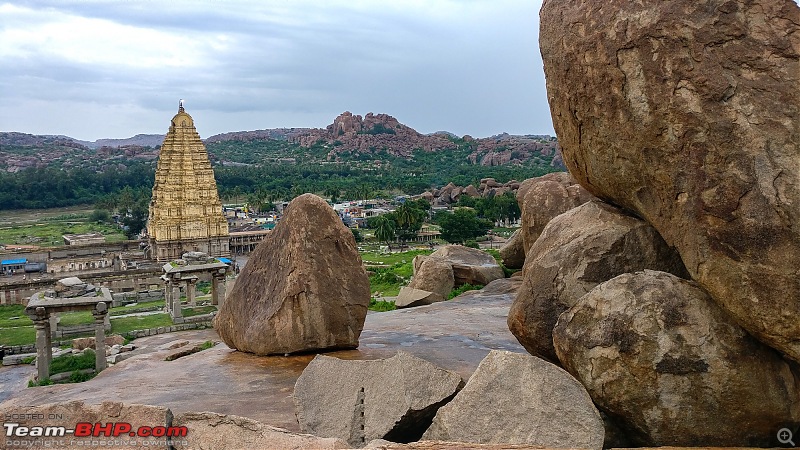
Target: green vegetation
x: 272, y: 169
x: 70, y: 363
x: 28, y: 360
x: 207, y: 345
x: 462, y: 225
x: 45, y: 382
x: 380, y: 305
x: 17, y: 335
x: 9, y: 311
x: 463, y: 288
x: 126, y: 324
x: 50, y: 233
x: 390, y: 259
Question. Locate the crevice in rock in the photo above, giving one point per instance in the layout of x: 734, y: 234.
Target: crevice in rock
x: 414, y: 423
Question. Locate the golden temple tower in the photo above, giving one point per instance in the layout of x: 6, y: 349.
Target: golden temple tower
x: 185, y: 210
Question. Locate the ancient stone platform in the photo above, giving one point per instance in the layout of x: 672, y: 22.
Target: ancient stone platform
x: 455, y: 335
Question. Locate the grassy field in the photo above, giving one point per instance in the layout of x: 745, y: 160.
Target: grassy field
x: 46, y: 227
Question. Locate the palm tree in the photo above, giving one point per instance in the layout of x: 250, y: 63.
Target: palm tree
x: 384, y: 229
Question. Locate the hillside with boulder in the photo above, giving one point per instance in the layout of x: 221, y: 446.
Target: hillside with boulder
x: 683, y: 324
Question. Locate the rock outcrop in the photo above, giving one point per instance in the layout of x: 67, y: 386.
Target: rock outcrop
x: 303, y: 289
x: 513, y: 252
x: 686, y: 112
x: 359, y: 401
x: 435, y: 275
x: 520, y: 399
x: 218, y: 431
x: 658, y: 352
x: 576, y: 251
x: 409, y: 297
x: 543, y: 198
x: 470, y: 265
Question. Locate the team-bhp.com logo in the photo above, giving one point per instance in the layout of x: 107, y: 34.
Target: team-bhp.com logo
x: 86, y: 429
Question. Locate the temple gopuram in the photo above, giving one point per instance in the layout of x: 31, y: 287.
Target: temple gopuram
x: 185, y: 210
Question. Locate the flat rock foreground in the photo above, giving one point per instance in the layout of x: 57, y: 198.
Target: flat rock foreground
x: 454, y: 335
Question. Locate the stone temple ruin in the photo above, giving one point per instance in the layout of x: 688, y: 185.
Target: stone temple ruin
x: 185, y: 272
x: 69, y: 294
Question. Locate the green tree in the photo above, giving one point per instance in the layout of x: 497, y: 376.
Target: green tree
x: 462, y: 225
x: 409, y: 220
x: 385, y: 227
x: 100, y: 215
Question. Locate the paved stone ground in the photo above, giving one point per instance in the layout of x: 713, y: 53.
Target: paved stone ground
x: 455, y: 335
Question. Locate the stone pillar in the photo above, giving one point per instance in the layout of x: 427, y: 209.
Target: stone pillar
x: 53, y: 325
x: 191, y: 286
x: 44, y: 352
x: 168, y: 294
x: 100, y: 312
x: 217, y: 290
x: 176, y: 301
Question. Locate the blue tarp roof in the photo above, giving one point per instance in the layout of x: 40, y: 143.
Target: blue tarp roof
x: 225, y: 260
x: 13, y: 262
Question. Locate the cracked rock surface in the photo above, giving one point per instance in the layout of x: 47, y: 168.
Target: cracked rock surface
x: 687, y: 113
x: 360, y: 401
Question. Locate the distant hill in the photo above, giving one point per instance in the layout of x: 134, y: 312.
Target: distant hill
x: 373, y: 137
x: 141, y: 140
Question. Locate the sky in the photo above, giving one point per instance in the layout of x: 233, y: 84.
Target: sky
x: 116, y: 68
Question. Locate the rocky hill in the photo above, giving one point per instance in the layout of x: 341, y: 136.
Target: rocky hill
x: 350, y: 136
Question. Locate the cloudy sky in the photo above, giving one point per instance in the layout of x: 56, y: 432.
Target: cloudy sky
x: 114, y: 68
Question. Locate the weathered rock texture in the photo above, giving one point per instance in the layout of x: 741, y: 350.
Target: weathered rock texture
x: 185, y: 210
x: 434, y: 275
x: 686, y: 112
x: 359, y: 401
x: 577, y: 251
x: 470, y: 265
x: 513, y: 252
x: 656, y: 351
x: 207, y: 430
x: 540, y: 199
x: 303, y: 289
x: 520, y: 399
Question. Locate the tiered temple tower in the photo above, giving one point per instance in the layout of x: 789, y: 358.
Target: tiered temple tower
x: 185, y: 210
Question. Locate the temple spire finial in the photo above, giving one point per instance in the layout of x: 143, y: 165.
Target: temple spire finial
x: 180, y: 106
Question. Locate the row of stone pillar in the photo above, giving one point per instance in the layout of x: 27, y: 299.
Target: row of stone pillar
x: 172, y: 293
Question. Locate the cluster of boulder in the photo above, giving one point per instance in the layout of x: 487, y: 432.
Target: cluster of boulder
x: 504, y: 149
x: 664, y: 275
x: 451, y: 266
x: 511, y: 398
x: 487, y: 188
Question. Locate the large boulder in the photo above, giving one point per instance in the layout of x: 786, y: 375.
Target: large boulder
x: 543, y: 198
x: 513, y: 251
x: 657, y: 352
x: 520, y: 399
x: 577, y: 251
x: 359, y: 401
x: 304, y: 288
x: 208, y: 430
x: 434, y: 275
x: 470, y: 265
x: 686, y: 112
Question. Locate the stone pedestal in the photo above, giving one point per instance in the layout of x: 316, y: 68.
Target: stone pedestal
x: 99, y: 313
